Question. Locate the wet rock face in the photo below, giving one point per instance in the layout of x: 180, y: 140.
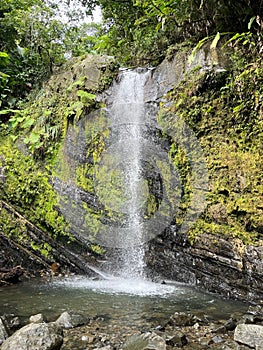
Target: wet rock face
x: 224, y: 266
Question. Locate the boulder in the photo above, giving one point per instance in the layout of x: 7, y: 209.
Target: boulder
x: 35, y: 336
x: 249, y: 334
x: 146, y: 341
x: 67, y: 321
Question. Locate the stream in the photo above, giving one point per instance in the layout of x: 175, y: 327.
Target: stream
x: 133, y: 302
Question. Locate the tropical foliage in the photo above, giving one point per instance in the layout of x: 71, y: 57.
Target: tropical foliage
x: 35, y: 39
x: 140, y: 32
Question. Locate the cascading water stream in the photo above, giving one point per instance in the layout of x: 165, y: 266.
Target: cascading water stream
x: 128, y: 113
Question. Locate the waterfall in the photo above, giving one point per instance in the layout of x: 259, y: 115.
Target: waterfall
x: 128, y: 115
x: 117, y: 177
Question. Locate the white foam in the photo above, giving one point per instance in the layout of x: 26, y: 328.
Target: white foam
x: 140, y: 287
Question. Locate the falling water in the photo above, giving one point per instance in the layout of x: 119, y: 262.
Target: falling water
x: 128, y: 113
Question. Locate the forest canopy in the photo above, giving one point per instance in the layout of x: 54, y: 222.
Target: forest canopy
x: 35, y: 38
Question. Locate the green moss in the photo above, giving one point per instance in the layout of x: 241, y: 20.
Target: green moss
x: 225, y: 112
x: 16, y: 228
x: 26, y: 186
x: 97, y: 249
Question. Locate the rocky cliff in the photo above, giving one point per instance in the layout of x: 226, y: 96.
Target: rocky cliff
x: 213, y: 96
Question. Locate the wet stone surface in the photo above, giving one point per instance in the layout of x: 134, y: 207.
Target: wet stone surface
x: 102, y: 334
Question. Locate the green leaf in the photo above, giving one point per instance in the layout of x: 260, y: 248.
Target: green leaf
x: 215, y: 41
x: 27, y: 123
x: 3, y: 54
x: 196, y: 49
x: 32, y: 139
x: 3, y: 75
x: 251, y: 22
x: 5, y: 111
x: 86, y: 97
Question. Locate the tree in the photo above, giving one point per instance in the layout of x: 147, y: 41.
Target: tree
x: 33, y: 41
x: 140, y: 31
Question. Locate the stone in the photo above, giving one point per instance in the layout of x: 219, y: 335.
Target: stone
x: 247, y: 319
x: 177, y: 340
x: 38, y: 318
x: 256, y: 312
x: 249, y: 334
x: 35, y: 336
x: 15, y: 323
x: 160, y: 328
x: 230, y: 325
x: 217, y: 339
x: 182, y: 319
x: 217, y: 264
x: 146, y: 341
x: 3, y: 331
x: 67, y: 321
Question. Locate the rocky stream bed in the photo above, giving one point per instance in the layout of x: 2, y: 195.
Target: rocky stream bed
x: 182, y: 330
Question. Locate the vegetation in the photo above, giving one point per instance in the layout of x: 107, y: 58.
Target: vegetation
x: 47, y: 84
x: 224, y: 111
x: 140, y: 32
x: 34, y: 43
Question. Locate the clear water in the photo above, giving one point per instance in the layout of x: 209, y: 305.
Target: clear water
x: 137, y: 303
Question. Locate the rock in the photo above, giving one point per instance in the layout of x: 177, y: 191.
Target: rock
x: 216, y: 340
x: 232, y: 345
x: 230, y: 325
x: 12, y: 323
x: 251, y: 335
x: 35, y: 336
x: 178, y: 340
x: 67, y: 321
x: 146, y: 341
x: 39, y: 318
x: 160, y: 328
x: 3, y: 331
x: 256, y: 312
x: 11, y: 276
x: 221, y: 265
x: 15, y: 323
x: 246, y: 319
x: 253, y: 315
x: 182, y: 319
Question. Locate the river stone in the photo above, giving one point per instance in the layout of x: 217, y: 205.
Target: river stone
x: 182, y: 319
x: 68, y: 321
x: 35, y: 336
x: 3, y: 331
x: 177, y: 340
x: 38, y: 318
x: 249, y: 334
x: 146, y: 341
